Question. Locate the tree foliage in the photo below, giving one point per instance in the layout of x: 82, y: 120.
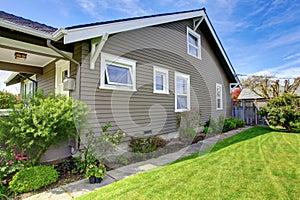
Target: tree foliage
x: 269, y: 87
x: 40, y: 122
x: 283, y: 111
x: 7, y: 100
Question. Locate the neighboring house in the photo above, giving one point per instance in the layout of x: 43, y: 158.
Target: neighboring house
x: 137, y: 73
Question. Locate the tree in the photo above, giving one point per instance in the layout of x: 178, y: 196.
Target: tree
x: 283, y: 111
x: 7, y: 100
x: 269, y: 87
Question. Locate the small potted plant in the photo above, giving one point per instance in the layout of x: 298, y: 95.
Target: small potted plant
x: 100, y: 173
x: 91, y: 173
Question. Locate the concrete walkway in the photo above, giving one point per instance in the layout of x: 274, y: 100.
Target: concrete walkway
x: 78, y: 188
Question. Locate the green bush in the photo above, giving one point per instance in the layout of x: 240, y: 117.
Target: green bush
x: 240, y: 123
x: 232, y: 123
x: 40, y: 122
x: 283, y: 111
x: 146, y: 145
x: 7, y: 100
x: 188, y: 122
x: 33, y: 178
x: 215, y: 126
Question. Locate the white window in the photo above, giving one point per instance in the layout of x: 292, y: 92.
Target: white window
x: 219, y: 101
x: 62, y: 71
x: 117, y: 73
x: 193, y: 43
x: 182, y: 92
x: 160, y: 80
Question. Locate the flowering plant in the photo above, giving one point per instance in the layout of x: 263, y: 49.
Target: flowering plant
x: 100, y: 172
x: 97, y: 171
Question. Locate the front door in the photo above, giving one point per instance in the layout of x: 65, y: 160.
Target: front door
x: 62, y: 71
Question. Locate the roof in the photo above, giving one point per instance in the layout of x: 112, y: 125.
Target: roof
x: 98, y: 29
x: 95, y: 30
x: 15, y: 78
x: 248, y: 94
x: 26, y: 23
x: 130, y: 19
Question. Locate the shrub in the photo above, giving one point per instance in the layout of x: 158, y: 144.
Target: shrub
x: 207, y: 130
x: 189, y: 121
x: 146, y: 145
x: 40, y: 122
x: 229, y: 124
x: 33, y: 178
x: 97, y: 147
x: 283, y: 111
x: 239, y: 123
x: 7, y: 100
x: 216, y: 126
x: 232, y: 123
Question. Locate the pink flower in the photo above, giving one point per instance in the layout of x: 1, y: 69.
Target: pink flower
x: 10, y: 162
x: 100, y: 171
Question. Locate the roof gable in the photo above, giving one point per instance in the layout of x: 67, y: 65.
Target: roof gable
x: 89, y: 31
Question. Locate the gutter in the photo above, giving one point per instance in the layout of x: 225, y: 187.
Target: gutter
x: 61, y: 53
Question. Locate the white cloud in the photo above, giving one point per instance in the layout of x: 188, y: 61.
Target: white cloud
x: 291, y: 56
x: 287, y: 70
x: 129, y: 8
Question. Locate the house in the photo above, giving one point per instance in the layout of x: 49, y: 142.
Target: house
x: 137, y: 73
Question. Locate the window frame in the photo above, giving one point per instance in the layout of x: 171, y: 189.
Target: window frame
x: 188, y: 95
x: 118, y: 61
x: 218, y: 85
x: 198, y: 48
x: 165, y: 72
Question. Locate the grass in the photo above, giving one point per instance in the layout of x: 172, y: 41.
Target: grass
x: 256, y: 164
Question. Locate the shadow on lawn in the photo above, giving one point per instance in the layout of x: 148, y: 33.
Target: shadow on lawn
x: 242, y: 136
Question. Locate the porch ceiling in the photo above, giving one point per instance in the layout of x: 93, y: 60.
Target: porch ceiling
x: 8, y: 55
x: 37, y: 56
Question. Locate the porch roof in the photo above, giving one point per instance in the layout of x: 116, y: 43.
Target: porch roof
x: 15, y: 78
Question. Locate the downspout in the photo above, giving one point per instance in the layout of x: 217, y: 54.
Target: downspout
x: 61, y: 53
x: 77, y: 140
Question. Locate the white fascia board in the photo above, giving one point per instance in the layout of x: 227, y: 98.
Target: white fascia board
x: 221, y: 48
x: 18, y: 45
x: 84, y: 33
x: 24, y: 29
x: 58, y: 34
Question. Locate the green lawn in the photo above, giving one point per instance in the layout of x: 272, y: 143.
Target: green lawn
x: 256, y: 164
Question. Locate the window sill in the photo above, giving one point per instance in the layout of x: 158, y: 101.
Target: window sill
x: 182, y: 110
x: 115, y: 88
x: 160, y: 92
x: 198, y: 57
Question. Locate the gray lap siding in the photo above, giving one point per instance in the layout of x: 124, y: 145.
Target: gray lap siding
x: 164, y: 46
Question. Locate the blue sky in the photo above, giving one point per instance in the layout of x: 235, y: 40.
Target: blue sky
x: 259, y: 36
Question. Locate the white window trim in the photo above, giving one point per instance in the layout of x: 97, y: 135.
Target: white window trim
x: 121, y: 62
x: 185, y: 76
x: 218, y: 85
x: 60, y: 66
x: 192, y: 32
x: 165, y: 81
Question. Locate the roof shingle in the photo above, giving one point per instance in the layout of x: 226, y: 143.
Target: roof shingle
x: 26, y: 23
